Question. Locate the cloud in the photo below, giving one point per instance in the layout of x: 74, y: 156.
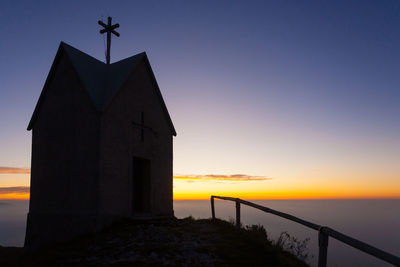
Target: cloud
x: 11, y: 170
x: 14, y: 190
x: 219, y: 177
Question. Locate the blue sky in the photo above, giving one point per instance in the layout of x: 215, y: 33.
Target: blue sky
x: 273, y: 88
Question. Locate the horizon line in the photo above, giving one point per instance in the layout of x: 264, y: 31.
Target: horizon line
x: 17, y: 197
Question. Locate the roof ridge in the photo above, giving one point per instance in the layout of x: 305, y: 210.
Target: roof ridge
x: 101, y: 80
x: 137, y: 55
x: 68, y: 46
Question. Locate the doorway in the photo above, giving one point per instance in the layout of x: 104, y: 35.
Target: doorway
x: 141, y: 186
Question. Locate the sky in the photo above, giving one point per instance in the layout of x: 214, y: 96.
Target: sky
x: 303, y: 95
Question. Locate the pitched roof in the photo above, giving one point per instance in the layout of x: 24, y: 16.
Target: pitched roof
x: 101, y: 81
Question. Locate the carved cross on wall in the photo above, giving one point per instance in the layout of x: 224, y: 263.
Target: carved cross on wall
x: 142, y: 127
x: 109, y: 28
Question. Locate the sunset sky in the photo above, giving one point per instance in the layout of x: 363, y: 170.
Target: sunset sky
x: 270, y: 99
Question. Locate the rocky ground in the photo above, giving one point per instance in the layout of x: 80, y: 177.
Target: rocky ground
x: 167, y: 242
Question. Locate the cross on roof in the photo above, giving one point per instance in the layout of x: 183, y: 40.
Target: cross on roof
x: 109, y: 28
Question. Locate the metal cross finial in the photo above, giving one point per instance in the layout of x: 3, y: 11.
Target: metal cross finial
x: 109, y: 28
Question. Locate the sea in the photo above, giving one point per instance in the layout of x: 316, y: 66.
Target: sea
x: 374, y: 221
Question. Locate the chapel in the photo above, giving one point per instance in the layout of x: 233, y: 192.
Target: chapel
x: 101, y: 147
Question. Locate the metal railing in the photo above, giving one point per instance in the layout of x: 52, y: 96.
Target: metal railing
x: 323, y: 233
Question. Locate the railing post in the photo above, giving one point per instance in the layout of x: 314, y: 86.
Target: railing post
x: 323, y: 247
x: 237, y: 214
x: 212, y: 208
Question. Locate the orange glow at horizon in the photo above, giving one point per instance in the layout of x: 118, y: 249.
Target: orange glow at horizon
x: 14, y: 196
x: 187, y: 188
x: 278, y: 196
x: 199, y: 187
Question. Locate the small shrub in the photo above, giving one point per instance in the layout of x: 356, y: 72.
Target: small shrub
x: 258, y: 229
x: 294, y: 245
x: 231, y: 221
x: 189, y: 218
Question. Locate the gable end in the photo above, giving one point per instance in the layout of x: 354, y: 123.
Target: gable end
x: 101, y: 81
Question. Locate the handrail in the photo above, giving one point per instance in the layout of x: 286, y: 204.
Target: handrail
x: 323, y: 233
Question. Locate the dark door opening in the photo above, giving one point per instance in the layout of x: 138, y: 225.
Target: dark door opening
x: 141, y: 189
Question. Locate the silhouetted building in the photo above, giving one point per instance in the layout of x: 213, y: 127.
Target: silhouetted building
x: 101, y: 147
